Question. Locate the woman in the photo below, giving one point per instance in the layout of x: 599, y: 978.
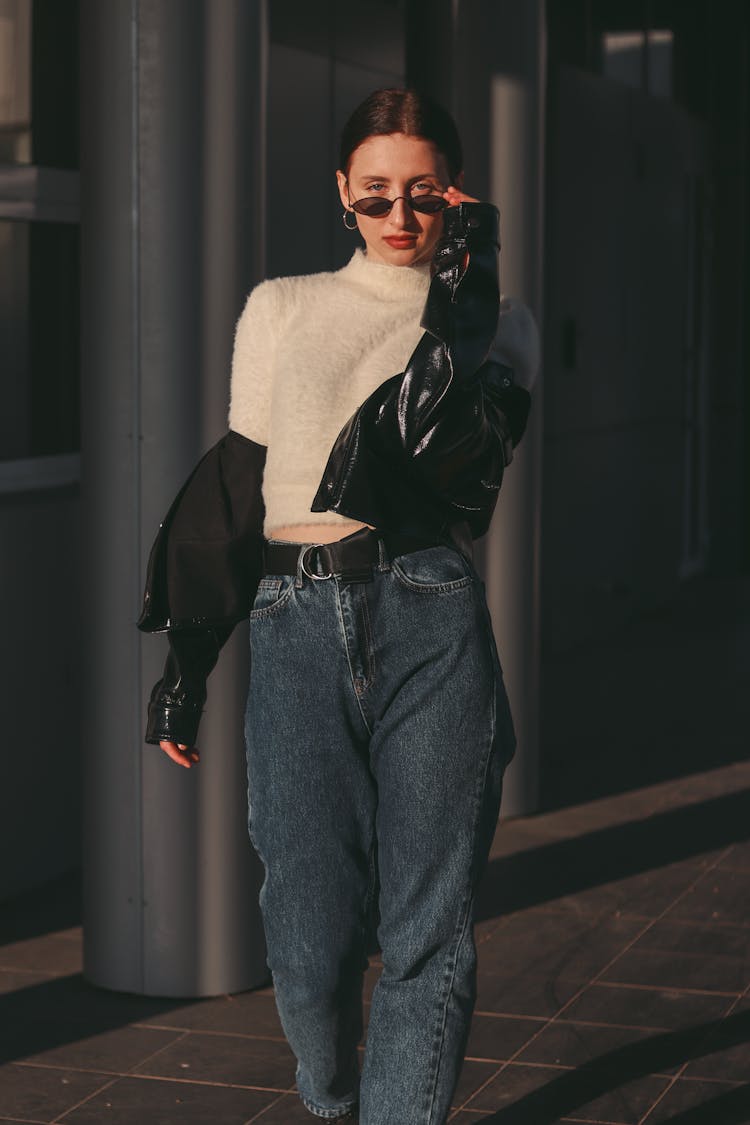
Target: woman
x: 377, y: 723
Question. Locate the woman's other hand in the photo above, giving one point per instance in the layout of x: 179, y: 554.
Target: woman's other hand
x: 454, y: 197
x: 184, y: 755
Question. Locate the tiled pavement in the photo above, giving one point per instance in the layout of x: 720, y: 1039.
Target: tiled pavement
x: 614, y: 985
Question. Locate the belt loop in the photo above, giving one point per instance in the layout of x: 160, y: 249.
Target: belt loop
x: 384, y: 562
x: 298, y: 580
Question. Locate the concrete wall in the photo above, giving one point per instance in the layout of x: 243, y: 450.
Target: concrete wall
x: 323, y: 61
x: 40, y: 803
x: 623, y: 263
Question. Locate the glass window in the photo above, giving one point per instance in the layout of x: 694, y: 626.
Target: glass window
x: 15, y: 81
x: 39, y: 234
x: 642, y: 59
x: 39, y: 310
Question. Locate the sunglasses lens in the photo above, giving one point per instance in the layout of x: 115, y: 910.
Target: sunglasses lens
x: 376, y: 206
x: 372, y: 207
x: 428, y: 204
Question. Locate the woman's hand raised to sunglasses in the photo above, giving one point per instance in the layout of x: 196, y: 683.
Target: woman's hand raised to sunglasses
x: 454, y: 197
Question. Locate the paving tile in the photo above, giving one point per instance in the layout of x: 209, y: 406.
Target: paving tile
x: 286, y: 1110
x: 722, y: 1064
x: 233, y: 1059
x: 13, y: 980
x: 624, y: 1052
x: 473, y: 1076
x: 680, y: 970
x: 115, y: 1052
x: 722, y: 896
x: 539, y: 1093
x: 707, y: 939
x: 544, y: 944
x: 485, y: 930
x: 25, y: 1120
x: 646, y: 1007
x: 738, y: 858
x: 694, y: 1102
x: 514, y: 1083
x: 523, y: 996
x: 130, y: 1100
x: 625, y: 1103
x: 54, y: 954
x: 499, y: 1037
x: 725, y: 1054
x: 244, y: 1013
x: 644, y: 895
x: 44, y: 1092
x: 57, y: 1011
x: 620, y: 1049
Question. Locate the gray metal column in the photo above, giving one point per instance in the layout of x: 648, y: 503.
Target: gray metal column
x: 172, y: 156
x: 499, y: 83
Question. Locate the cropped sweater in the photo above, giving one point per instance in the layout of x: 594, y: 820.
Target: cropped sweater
x: 359, y: 325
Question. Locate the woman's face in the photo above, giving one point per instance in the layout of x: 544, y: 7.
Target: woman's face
x: 390, y: 166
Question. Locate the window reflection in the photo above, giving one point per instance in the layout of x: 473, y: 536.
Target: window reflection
x: 39, y: 339
x: 15, y: 81
x: 642, y: 59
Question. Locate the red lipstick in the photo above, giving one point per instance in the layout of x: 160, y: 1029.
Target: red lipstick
x: 404, y: 243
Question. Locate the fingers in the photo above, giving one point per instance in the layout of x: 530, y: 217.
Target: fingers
x: 454, y: 197
x: 184, y: 755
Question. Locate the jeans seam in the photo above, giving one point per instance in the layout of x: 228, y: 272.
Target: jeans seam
x: 352, y: 677
x: 372, y: 882
x: 370, y: 647
x: 449, y: 977
x: 452, y: 958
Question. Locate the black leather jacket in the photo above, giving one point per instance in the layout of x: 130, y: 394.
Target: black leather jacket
x: 425, y: 452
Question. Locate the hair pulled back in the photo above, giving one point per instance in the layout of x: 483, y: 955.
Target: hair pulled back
x: 393, y: 110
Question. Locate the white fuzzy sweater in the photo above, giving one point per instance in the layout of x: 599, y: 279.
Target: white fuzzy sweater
x: 309, y: 350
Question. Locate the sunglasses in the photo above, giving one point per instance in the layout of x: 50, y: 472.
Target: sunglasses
x: 376, y: 206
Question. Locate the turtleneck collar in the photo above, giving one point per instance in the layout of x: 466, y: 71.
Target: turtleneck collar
x: 396, y: 283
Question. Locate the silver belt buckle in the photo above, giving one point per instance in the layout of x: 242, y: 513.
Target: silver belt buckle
x: 315, y: 577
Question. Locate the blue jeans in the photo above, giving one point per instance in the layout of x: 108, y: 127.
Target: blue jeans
x: 377, y: 731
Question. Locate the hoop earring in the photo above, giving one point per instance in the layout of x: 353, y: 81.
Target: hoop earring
x: 344, y: 215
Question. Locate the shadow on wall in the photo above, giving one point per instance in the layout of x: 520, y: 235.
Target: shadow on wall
x: 663, y: 696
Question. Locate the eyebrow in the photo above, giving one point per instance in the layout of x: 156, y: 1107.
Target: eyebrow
x: 386, y: 179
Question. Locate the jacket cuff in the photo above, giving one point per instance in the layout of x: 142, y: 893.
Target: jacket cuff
x: 473, y: 222
x: 172, y: 717
x: 463, y: 300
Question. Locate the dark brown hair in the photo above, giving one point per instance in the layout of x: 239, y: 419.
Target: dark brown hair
x: 402, y: 111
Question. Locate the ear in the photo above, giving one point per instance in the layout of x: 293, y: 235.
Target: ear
x: 343, y: 189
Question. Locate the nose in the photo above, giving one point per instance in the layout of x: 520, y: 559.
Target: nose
x: 403, y: 215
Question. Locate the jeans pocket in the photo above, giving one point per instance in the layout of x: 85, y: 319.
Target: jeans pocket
x: 273, y: 593
x: 433, y: 570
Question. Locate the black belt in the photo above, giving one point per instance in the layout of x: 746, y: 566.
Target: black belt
x: 351, y: 559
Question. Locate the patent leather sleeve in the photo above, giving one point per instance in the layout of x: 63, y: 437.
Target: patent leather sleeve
x: 202, y: 575
x: 177, y: 699
x: 463, y: 302
x: 205, y: 562
x: 429, y: 447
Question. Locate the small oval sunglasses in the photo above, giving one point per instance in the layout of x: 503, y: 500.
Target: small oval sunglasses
x: 377, y: 206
